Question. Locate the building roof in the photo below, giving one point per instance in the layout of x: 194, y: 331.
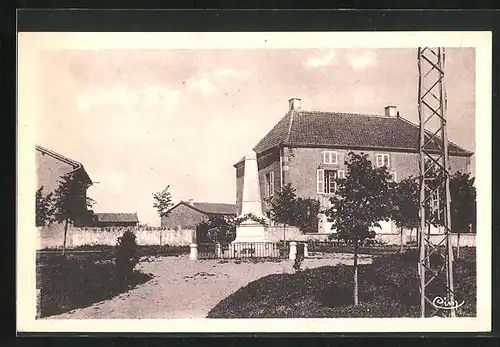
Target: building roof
x: 116, y: 217
x: 301, y: 128
x: 75, y: 164
x: 210, y: 208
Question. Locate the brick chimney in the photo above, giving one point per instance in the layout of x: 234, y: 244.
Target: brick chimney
x: 191, y: 202
x: 295, y: 103
x: 391, y: 111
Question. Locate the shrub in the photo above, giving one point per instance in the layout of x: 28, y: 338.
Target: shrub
x: 126, y: 255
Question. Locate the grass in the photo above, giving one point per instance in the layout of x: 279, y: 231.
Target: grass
x: 388, y: 288
x: 78, y: 281
x: 106, y: 251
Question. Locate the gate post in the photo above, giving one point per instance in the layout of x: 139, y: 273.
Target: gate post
x: 218, y: 249
x: 193, y: 255
x: 306, y: 252
x: 293, y: 250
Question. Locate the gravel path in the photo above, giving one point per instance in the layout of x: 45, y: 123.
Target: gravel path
x: 183, y: 288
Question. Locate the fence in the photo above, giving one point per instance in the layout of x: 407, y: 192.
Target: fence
x: 369, y: 246
x: 243, y: 250
x: 53, y: 236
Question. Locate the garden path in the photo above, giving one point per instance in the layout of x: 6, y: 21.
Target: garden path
x: 183, y: 288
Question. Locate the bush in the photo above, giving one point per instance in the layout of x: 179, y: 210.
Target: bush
x: 126, y: 255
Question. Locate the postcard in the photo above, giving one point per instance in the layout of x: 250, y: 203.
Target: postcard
x: 254, y: 182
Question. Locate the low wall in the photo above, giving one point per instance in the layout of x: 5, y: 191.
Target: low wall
x: 53, y: 236
x: 275, y: 233
x: 466, y: 239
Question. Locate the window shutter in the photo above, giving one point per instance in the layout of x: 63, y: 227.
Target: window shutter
x: 320, y: 181
x: 341, y: 174
x: 271, y: 185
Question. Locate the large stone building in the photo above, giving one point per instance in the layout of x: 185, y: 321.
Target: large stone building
x: 308, y: 149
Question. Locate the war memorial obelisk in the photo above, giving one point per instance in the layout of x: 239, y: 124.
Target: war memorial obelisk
x: 250, y: 232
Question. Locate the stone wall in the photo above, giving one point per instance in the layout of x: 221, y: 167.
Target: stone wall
x: 53, y: 236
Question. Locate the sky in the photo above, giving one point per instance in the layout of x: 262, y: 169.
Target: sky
x: 142, y: 119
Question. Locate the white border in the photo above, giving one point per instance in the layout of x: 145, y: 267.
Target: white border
x: 26, y: 235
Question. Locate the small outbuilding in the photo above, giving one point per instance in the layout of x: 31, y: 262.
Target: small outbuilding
x: 188, y: 214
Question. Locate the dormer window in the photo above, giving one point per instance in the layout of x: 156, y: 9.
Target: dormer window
x: 330, y: 157
x: 382, y: 159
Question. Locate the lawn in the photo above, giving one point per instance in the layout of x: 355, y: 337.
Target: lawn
x: 388, y: 288
x: 79, y: 280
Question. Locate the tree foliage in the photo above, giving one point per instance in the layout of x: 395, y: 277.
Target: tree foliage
x: 70, y: 203
x: 363, y: 199
x: 306, y: 216
x: 283, y: 205
x: 463, y: 202
x: 162, y: 201
x: 406, y: 199
x: 288, y: 209
x: 43, y: 205
x: 217, y: 229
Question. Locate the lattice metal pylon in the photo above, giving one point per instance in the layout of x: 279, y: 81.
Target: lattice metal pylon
x: 435, y: 265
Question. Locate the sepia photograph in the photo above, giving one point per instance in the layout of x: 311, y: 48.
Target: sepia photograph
x: 210, y: 178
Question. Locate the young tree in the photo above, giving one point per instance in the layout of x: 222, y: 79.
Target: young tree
x: 406, y: 201
x: 43, y: 208
x: 462, y: 205
x: 162, y: 201
x: 363, y: 199
x: 284, y: 207
x: 70, y: 202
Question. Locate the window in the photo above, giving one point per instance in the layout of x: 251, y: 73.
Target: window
x: 393, y: 177
x: 326, y: 180
x: 435, y: 205
x: 330, y: 157
x: 383, y: 160
x: 270, y: 184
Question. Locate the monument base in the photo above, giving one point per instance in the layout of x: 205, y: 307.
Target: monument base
x: 251, y: 242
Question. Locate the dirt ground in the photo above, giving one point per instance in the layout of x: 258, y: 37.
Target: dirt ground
x: 183, y: 288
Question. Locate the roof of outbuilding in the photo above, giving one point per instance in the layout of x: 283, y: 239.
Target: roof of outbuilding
x: 346, y: 130
x: 210, y: 207
x: 117, y: 217
x: 216, y: 208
